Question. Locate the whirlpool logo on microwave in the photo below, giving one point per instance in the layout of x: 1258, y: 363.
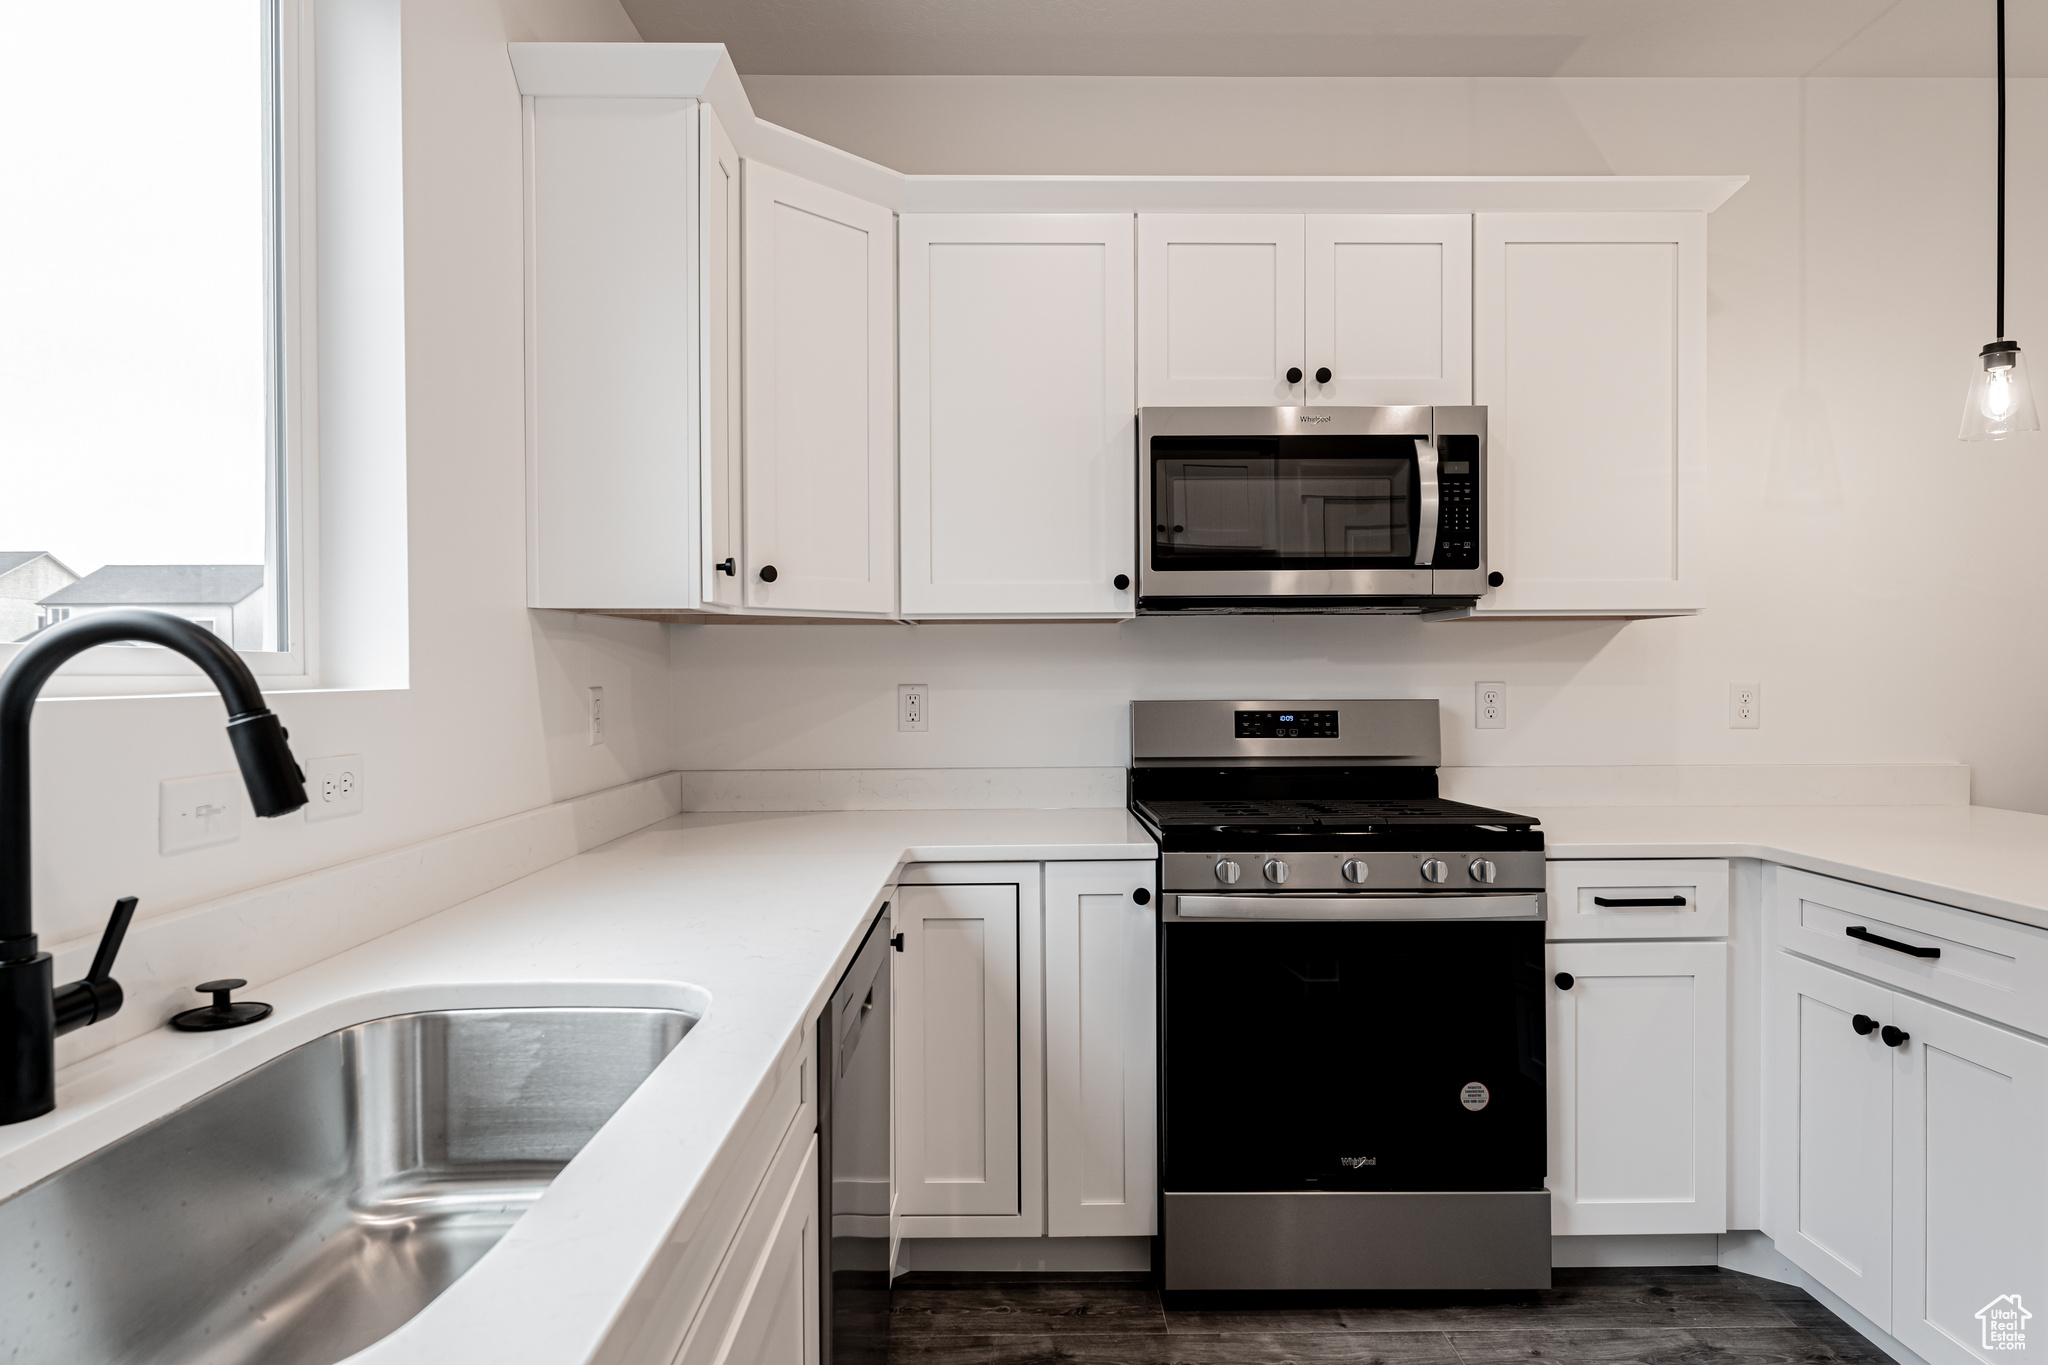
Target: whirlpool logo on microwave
x: 1310, y: 419
x: 1355, y: 1162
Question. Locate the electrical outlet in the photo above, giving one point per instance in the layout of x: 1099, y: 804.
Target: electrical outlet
x: 1490, y: 706
x: 334, y: 787
x: 913, y: 707
x: 1745, y: 706
x: 198, y: 812
x: 597, y: 715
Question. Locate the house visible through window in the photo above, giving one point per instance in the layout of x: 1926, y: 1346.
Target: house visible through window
x: 142, y: 460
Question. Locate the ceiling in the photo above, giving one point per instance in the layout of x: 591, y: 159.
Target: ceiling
x: 1355, y: 37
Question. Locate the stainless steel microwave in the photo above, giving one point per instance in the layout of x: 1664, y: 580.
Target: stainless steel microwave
x: 1379, y: 510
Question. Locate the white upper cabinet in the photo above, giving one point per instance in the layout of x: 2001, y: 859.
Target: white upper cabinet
x: 820, y: 384
x: 1389, y: 309
x: 1589, y: 357
x: 623, y: 387
x: 1018, y: 436
x: 1219, y: 309
x: 719, y: 287
x: 1323, y: 309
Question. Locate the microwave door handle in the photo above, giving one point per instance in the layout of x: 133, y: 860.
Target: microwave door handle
x: 1425, y: 532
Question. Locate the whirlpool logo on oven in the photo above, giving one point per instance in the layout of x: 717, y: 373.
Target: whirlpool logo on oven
x: 1310, y: 418
x: 1356, y: 1162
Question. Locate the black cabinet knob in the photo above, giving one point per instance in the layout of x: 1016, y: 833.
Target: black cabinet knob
x: 1323, y: 375
x: 896, y: 942
x: 1864, y: 1025
x: 1564, y: 980
x: 727, y: 567
x: 1294, y: 374
x: 1142, y: 896
x: 767, y: 573
x: 1893, y: 1036
x: 1495, y: 579
x: 1121, y: 582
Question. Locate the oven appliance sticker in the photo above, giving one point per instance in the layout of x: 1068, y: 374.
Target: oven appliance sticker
x: 1475, y: 1096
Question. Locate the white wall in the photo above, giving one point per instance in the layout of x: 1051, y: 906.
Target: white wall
x: 491, y: 722
x: 1876, y: 576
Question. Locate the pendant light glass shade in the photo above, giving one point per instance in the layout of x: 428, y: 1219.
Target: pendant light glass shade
x: 2001, y: 400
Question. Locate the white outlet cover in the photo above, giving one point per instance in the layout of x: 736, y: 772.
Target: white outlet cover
x: 1490, y: 706
x: 913, y: 707
x: 334, y: 787
x: 1745, y: 706
x: 198, y: 812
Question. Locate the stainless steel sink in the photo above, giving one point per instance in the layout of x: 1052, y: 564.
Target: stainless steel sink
x: 307, y: 1209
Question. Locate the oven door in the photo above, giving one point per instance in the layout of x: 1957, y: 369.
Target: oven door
x: 1352, y: 1056
x: 1248, y: 503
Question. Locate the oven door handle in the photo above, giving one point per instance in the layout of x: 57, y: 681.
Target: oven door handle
x: 1425, y: 530
x: 1525, y: 905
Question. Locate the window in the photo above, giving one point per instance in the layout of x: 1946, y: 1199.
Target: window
x: 148, y: 259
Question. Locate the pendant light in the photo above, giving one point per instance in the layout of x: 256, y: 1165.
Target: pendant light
x: 2001, y: 401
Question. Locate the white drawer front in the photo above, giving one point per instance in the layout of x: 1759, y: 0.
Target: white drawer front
x: 1979, y: 963
x: 1639, y: 898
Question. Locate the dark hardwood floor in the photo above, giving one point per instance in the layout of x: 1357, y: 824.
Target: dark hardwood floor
x: 1688, y: 1315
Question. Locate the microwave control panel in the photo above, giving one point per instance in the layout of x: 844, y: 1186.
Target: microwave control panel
x: 1457, y: 518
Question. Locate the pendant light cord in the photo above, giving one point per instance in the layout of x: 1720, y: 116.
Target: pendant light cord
x: 2001, y: 169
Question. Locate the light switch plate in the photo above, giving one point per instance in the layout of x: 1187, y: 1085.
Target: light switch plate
x: 198, y: 812
x: 334, y: 787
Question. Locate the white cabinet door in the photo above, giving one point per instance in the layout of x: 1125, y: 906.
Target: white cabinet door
x: 1639, y: 1087
x: 1018, y: 414
x: 958, y: 998
x: 612, y: 388
x: 1828, y: 1127
x: 1970, y: 1188
x: 1589, y: 336
x: 1101, y: 1069
x: 1389, y: 309
x: 820, y: 384
x: 1219, y: 309
x: 762, y: 1307
x: 778, y: 1325
x: 718, y: 213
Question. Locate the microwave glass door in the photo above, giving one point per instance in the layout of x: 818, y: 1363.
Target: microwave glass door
x: 1288, y: 502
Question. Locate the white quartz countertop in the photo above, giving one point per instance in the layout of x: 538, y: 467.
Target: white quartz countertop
x: 749, y: 919
x: 1991, y: 861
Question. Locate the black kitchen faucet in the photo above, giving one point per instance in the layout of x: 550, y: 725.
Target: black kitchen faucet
x: 33, y: 1011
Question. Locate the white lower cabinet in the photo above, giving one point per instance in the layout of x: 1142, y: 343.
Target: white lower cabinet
x: 1025, y: 1050
x: 763, y: 1306
x: 1903, y: 1157
x: 961, y: 1068
x: 1638, y: 1080
x: 1101, y: 1058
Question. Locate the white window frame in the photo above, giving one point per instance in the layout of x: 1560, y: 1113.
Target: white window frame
x: 293, y: 417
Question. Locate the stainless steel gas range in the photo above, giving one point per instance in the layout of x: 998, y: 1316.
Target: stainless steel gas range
x: 1351, y: 1004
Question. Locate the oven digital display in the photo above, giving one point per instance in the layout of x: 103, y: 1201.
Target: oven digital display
x: 1287, y: 725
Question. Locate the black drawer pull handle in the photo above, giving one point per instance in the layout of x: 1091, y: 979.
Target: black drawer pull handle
x: 1632, y: 902
x: 1912, y: 950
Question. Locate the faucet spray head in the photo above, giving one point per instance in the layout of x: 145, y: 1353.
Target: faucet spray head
x: 277, y: 785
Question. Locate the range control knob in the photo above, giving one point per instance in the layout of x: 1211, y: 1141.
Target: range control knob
x: 1227, y: 871
x: 1355, y: 870
x: 1276, y: 872
x: 1436, y: 870
x: 1483, y: 870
